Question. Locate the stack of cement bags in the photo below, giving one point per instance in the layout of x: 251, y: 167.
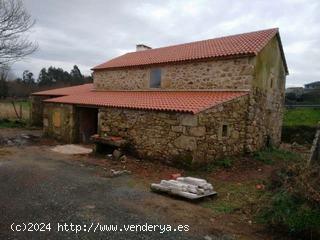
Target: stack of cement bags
x: 188, y: 187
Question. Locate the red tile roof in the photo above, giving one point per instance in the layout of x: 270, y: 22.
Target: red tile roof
x: 246, y: 44
x: 66, y: 90
x: 178, y: 101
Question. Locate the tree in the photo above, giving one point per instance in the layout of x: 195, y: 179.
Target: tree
x: 15, y: 22
x: 27, y: 77
x: 44, y: 79
x: 76, y: 76
x: 4, y: 72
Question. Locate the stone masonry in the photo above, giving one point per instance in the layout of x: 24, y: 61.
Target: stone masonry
x: 178, y: 136
x: 245, y: 124
x: 59, y: 121
x: 223, y: 74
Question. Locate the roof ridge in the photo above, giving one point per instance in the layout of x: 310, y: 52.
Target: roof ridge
x: 231, y: 46
x: 204, y: 40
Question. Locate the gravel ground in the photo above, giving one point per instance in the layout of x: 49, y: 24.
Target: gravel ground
x: 41, y: 186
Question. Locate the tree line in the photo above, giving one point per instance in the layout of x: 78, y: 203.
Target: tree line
x: 48, y: 78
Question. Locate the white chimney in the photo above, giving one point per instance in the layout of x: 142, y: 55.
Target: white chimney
x: 142, y: 47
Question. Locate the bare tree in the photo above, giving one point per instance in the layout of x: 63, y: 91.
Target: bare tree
x: 15, y: 22
x: 4, y: 73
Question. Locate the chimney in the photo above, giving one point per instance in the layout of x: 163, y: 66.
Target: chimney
x: 142, y: 47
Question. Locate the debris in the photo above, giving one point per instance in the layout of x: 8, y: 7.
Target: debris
x: 25, y: 136
x: 174, y: 176
x: 71, y: 149
x: 22, y: 139
x: 207, y: 237
x: 260, y: 186
x: 115, y: 173
x: 117, y: 154
x: 188, y: 187
x: 123, y: 158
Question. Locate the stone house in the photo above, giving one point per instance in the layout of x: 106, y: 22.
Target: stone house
x: 192, y: 102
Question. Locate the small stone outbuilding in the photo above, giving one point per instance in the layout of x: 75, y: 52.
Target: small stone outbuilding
x: 193, y: 102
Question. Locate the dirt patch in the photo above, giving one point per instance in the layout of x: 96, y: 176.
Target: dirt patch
x: 231, y: 212
x: 243, y: 169
x: 72, y: 149
x: 145, y: 171
x: 4, y: 152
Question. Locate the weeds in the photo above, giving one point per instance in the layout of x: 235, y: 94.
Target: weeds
x: 7, y: 123
x: 294, y: 214
x: 233, y: 197
x: 272, y: 155
x: 224, y: 162
x: 293, y: 200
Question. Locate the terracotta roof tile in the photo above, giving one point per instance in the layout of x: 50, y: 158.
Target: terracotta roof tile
x: 178, y: 101
x: 235, y: 45
x: 66, y: 90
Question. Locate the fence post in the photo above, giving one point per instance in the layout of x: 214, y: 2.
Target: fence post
x: 20, y: 110
x: 315, y: 149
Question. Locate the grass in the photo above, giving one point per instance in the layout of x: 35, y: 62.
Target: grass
x: 302, y: 116
x: 7, y: 110
x: 233, y: 197
x: 6, y: 123
x: 272, y: 155
x: 299, y: 125
x: 224, y: 163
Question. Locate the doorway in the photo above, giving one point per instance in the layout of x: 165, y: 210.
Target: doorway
x: 88, y: 123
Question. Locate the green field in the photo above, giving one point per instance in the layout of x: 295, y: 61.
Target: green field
x: 301, y: 117
x: 299, y: 125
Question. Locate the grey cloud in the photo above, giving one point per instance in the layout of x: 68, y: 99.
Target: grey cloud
x: 87, y: 33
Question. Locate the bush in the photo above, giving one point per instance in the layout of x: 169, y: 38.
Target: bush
x: 294, y: 205
x: 293, y: 214
x: 299, y: 134
x: 8, y: 123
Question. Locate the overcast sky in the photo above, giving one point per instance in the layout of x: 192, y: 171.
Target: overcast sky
x: 89, y: 32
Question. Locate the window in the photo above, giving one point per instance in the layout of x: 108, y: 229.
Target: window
x: 224, y: 132
x: 155, y: 78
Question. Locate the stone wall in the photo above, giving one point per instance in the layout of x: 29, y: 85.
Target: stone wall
x: 59, y: 121
x: 210, y: 74
x: 178, y: 136
x: 266, y: 98
x: 36, y: 114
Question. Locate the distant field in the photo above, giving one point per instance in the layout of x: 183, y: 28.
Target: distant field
x: 299, y: 125
x: 302, y: 117
x: 7, y: 110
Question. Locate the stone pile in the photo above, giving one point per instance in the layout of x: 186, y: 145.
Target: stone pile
x: 188, y: 187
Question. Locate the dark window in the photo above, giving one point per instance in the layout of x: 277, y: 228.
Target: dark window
x: 271, y: 83
x: 224, y: 130
x: 155, y: 78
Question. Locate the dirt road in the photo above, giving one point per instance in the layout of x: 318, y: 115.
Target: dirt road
x: 40, y: 186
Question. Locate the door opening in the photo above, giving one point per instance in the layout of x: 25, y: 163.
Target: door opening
x: 88, y: 124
